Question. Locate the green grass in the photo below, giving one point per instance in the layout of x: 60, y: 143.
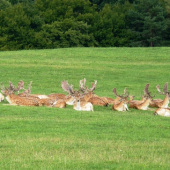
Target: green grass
x: 42, y: 138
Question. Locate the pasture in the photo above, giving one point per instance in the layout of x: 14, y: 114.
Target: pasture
x: 44, y: 138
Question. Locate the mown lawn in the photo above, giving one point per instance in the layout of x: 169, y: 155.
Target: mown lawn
x: 42, y: 138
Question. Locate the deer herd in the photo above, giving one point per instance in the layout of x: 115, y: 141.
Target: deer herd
x: 84, y: 98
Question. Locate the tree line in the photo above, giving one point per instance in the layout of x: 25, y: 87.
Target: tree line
x: 47, y: 24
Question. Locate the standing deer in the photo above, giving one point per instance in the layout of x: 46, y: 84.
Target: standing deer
x: 78, y: 104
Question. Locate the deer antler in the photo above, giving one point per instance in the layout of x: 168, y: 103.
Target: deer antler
x: 11, y: 86
x: 66, y: 87
x: 28, y: 91
x: 146, y: 92
x: 93, y: 86
x: 165, y: 89
x: 20, y: 86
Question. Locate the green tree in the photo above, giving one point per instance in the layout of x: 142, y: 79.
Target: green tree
x: 147, y: 21
x: 4, y: 4
x: 109, y: 26
x: 15, y: 32
x: 66, y: 33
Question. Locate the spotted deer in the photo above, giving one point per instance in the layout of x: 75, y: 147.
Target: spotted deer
x: 77, y: 95
x: 121, y: 103
x: 13, y: 99
x: 143, y: 105
x: 94, y: 99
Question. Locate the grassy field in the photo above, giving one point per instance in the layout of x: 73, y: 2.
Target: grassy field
x: 42, y: 138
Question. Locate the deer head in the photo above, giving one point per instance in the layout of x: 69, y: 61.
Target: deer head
x: 165, y: 89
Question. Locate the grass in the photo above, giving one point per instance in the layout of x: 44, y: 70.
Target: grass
x: 42, y: 138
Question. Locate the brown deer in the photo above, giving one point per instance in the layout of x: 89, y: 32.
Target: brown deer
x: 27, y: 92
x: 143, y: 105
x: 162, y: 103
x: 121, y: 103
x: 94, y: 99
x: 78, y: 104
x: 162, y: 112
x: 13, y: 99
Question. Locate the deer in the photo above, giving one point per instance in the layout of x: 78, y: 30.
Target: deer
x: 121, y: 102
x: 94, y: 99
x: 159, y: 102
x: 143, y: 105
x: 13, y: 99
x: 77, y: 95
x: 27, y: 92
x: 162, y: 112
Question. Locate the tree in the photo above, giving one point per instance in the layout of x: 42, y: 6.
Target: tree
x: 4, y: 4
x: 147, y: 22
x: 109, y: 27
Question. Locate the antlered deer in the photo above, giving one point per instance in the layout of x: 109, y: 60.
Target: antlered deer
x: 78, y: 104
x: 142, y: 105
x: 121, y: 102
x: 13, y: 99
x: 162, y: 103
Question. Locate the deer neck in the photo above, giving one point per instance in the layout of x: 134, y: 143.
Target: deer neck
x: 145, y: 104
x: 10, y: 97
x: 165, y: 101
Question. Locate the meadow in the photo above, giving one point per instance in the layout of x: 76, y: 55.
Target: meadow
x: 44, y: 138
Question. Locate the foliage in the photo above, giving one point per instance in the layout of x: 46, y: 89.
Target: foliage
x: 27, y: 24
x: 148, y: 22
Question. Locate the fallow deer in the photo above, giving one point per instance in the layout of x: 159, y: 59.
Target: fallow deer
x: 143, y: 105
x: 162, y: 112
x: 162, y: 103
x: 13, y: 99
x: 78, y: 104
x: 94, y: 99
x: 121, y: 103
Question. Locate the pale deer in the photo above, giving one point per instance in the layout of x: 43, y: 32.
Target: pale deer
x: 162, y: 112
x: 78, y: 104
x: 13, y: 99
x: 121, y: 103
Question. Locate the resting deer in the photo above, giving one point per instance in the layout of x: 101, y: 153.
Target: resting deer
x: 162, y: 103
x: 27, y: 92
x: 162, y: 112
x: 143, y: 105
x: 78, y: 104
x: 13, y: 99
x: 94, y: 99
x: 121, y: 104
